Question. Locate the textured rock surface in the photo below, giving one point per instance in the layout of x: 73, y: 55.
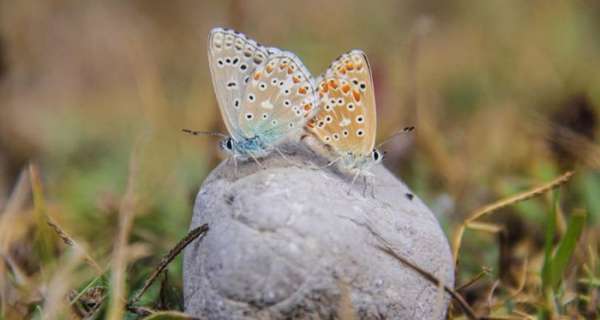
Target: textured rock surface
x: 290, y: 241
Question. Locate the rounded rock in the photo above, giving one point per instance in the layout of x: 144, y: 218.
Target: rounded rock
x: 290, y: 239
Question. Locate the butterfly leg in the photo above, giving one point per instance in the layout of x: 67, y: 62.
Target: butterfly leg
x: 365, y: 185
x: 353, y: 180
x: 256, y: 160
x: 286, y: 158
x: 329, y: 164
x: 235, y: 164
x: 372, y: 185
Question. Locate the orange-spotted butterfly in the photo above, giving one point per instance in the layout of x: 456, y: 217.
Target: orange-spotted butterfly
x: 346, y: 121
x: 265, y: 95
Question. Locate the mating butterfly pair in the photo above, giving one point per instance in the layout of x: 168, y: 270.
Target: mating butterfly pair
x: 267, y: 95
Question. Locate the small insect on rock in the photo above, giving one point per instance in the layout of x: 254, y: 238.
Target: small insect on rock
x: 265, y: 95
x: 346, y: 121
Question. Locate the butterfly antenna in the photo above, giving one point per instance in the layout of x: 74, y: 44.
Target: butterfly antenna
x: 207, y: 133
x: 397, y: 133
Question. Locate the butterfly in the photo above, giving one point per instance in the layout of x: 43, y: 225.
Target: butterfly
x: 346, y: 121
x: 265, y: 95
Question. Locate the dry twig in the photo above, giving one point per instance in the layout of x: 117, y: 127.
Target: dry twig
x: 164, y: 262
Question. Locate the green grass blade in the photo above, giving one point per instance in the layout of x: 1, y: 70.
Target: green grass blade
x: 548, y: 241
x: 566, y: 246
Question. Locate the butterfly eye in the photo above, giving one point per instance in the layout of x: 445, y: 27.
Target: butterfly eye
x: 251, y: 97
x: 328, y: 119
x: 229, y: 144
x: 274, y: 122
x: 340, y: 101
x: 236, y: 103
x: 355, y: 81
x: 243, y: 67
x: 360, y: 132
x: 249, y: 116
x: 360, y: 119
x: 265, y: 116
x: 376, y: 155
x: 287, y: 103
x: 363, y: 86
x: 286, y: 92
x: 246, y: 79
x: 321, y: 124
x: 227, y: 60
x: 336, y: 137
x: 332, y: 102
x: 327, y: 107
x: 220, y: 63
x: 274, y: 81
x: 327, y: 139
x: 262, y: 86
x: 345, y: 133
x: 291, y: 125
x: 350, y: 107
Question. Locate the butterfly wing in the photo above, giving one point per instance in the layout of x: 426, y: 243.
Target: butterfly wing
x: 346, y: 120
x: 279, y: 99
x: 232, y: 58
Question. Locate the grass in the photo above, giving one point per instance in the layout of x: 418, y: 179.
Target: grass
x: 97, y: 181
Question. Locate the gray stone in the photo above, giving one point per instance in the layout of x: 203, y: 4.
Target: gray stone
x: 292, y: 240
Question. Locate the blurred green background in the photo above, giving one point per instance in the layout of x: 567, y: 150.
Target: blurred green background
x: 504, y: 95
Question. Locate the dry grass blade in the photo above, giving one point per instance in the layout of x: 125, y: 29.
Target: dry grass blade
x: 18, y: 196
x: 37, y: 186
x: 557, y: 182
x: 61, y: 282
x: 119, y: 262
x: 68, y: 240
x: 469, y: 283
x: 16, y: 201
x: 43, y: 238
x: 562, y: 179
x: 433, y: 279
x: 164, y: 262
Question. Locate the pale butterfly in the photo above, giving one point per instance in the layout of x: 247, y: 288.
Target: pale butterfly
x: 265, y: 95
x: 346, y: 121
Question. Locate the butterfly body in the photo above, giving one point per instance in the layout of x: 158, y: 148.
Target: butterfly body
x: 360, y: 163
x: 346, y: 122
x: 247, y: 147
x: 265, y: 95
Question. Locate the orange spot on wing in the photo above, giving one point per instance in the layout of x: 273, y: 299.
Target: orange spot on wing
x: 350, y: 66
x: 301, y: 90
x: 257, y: 75
x: 346, y: 88
x: 295, y: 79
x: 332, y: 84
x: 356, y: 95
x: 290, y: 70
x: 269, y: 69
